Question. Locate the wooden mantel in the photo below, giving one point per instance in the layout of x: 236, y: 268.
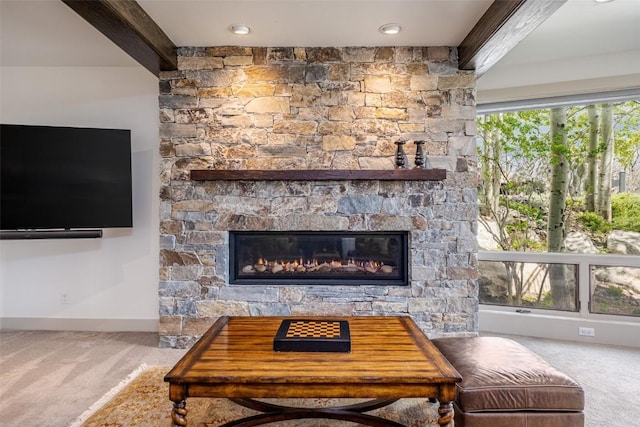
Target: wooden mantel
x: 319, y: 175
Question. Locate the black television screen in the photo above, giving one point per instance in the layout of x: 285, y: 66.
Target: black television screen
x: 64, y: 178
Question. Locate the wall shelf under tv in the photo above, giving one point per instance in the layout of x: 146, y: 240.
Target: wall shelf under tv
x: 49, y: 234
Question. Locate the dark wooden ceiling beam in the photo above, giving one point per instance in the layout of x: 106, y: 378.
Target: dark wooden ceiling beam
x: 501, y: 28
x: 126, y: 24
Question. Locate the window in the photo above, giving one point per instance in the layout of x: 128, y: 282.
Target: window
x: 560, y: 179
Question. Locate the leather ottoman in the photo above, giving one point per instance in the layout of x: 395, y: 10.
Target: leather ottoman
x: 504, y: 384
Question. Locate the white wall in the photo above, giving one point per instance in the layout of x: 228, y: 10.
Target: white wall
x: 111, y: 283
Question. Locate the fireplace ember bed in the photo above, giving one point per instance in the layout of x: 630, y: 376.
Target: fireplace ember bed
x: 318, y: 258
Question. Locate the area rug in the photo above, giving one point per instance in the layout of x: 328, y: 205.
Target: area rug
x: 142, y: 400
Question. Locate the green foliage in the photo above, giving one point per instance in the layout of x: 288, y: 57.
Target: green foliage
x: 575, y: 203
x: 627, y: 132
x: 625, y: 211
x: 532, y: 212
x: 519, y: 239
x: 522, y: 137
x: 594, y: 222
x: 615, y: 292
x: 626, y: 224
x: 626, y: 204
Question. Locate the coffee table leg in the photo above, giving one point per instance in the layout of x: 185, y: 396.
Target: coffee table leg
x: 445, y: 411
x: 179, y: 414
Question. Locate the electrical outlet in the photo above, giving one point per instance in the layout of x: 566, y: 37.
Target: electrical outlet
x: 587, y: 332
x: 64, y: 298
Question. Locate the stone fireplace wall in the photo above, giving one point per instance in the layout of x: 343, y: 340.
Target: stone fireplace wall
x: 316, y: 108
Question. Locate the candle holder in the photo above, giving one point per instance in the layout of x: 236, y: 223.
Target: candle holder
x: 419, y: 154
x: 401, y: 157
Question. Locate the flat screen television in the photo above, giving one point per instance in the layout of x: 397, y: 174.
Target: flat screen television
x: 64, y: 178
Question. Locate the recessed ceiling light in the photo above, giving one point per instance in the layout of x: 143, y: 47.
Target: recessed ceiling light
x: 239, y: 29
x: 602, y: 1
x: 390, y: 29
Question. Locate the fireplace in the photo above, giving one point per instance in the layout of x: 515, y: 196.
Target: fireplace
x: 333, y: 115
x: 318, y: 258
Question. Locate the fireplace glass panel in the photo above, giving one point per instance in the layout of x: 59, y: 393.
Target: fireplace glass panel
x: 318, y: 258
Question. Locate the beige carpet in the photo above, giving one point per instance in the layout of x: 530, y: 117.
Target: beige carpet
x: 49, y: 378
x: 142, y: 400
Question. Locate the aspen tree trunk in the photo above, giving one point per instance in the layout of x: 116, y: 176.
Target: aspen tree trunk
x: 557, y: 204
x: 577, y: 180
x: 495, y: 170
x: 592, y: 160
x: 604, y: 190
x: 486, y: 165
x: 491, y: 166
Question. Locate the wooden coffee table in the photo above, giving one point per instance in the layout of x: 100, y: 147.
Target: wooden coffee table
x: 390, y: 359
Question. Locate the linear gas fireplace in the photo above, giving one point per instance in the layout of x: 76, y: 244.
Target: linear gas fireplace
x: 318, y: 258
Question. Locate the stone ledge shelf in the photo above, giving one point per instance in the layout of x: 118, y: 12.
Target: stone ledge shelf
x: 319, y: 175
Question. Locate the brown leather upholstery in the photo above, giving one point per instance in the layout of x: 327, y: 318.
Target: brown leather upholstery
x: 504, y: 383
x: 518, y: 419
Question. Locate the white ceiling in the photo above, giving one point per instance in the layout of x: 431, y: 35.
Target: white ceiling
x: 312, y: 23
x: 584, y: 46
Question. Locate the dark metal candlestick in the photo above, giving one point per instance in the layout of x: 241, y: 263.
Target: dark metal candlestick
x: 401, y: 157
x: 419, y: 154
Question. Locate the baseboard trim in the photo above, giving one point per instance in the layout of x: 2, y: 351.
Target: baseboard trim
x: 619, y: 333
x: 93, y: 325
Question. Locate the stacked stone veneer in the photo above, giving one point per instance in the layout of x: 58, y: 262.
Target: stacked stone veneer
x: 316, y: 108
